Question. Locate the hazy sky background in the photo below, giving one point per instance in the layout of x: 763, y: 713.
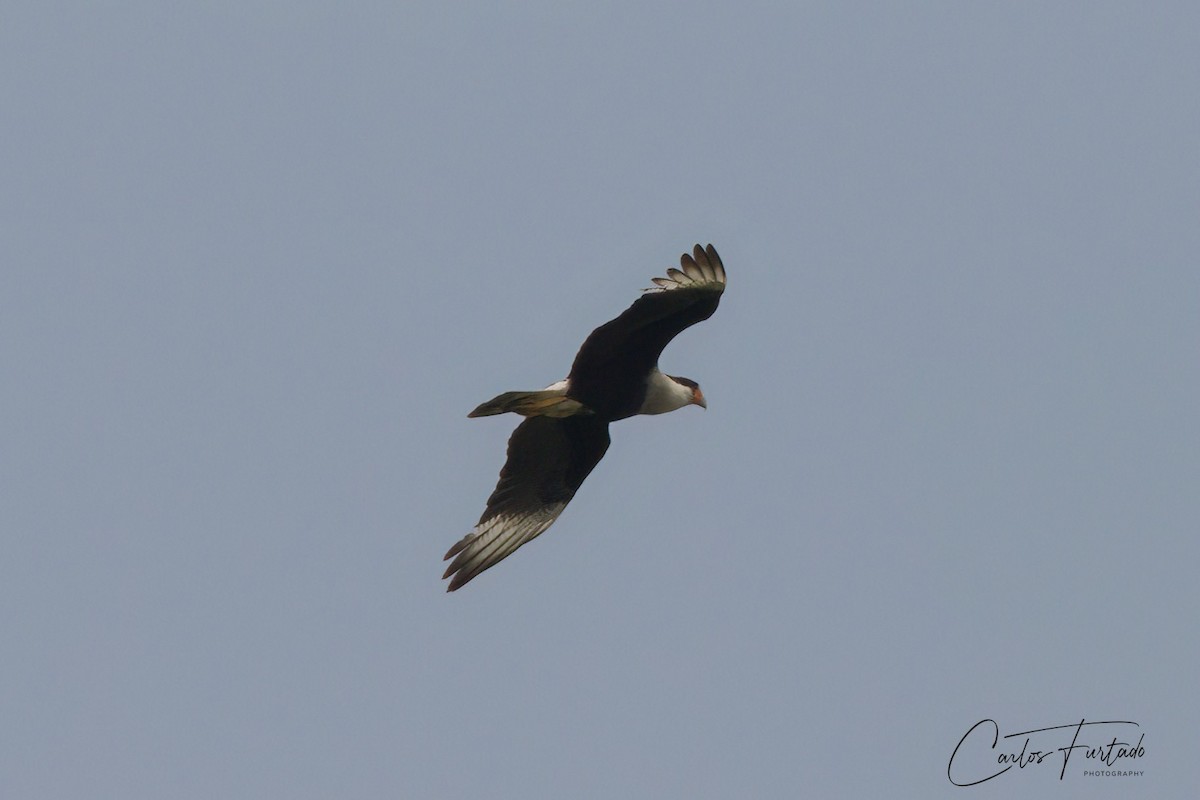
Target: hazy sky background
x: 262, y: 258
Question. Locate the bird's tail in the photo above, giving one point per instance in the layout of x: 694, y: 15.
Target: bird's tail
x: 552, y: 402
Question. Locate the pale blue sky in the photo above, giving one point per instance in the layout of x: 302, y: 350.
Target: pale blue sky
x: 263, y: 258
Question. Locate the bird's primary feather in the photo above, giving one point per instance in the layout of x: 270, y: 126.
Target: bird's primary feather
x: 548, y: 458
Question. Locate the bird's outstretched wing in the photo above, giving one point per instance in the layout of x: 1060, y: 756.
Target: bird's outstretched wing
x: 548, y: 458
x: 630, y: 344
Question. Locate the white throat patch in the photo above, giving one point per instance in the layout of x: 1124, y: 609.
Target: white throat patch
x: 664, y: 394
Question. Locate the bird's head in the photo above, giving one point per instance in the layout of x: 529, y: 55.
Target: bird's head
x: 697, y: 395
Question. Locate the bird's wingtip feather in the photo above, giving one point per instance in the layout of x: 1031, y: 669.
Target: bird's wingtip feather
x: 701, y: 269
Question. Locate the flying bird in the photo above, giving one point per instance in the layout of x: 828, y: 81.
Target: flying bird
x: 615, y: 375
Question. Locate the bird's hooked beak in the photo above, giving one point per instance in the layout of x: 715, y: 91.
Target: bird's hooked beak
x: 698, y: 398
